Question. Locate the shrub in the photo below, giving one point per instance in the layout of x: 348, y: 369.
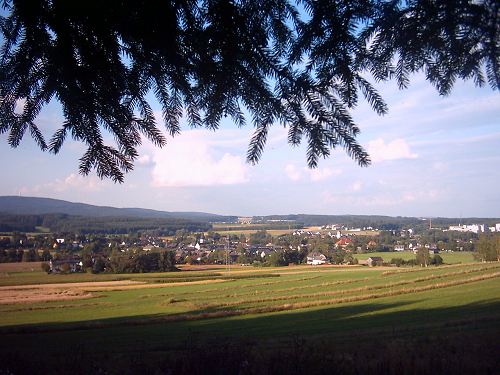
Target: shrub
x: 65, y: 268
x: 398, y: 262
x: 45, y: 267
x: 437, y: 260
x: 411, y: 262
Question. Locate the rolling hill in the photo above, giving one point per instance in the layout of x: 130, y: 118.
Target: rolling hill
x: 39, y: 206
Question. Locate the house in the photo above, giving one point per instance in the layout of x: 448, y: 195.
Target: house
x: 65, y: 265
x: 374, y: 261
x: 316, y: 259
x: 343, y: 242
x: 399, y: 248
x: 265, y: 251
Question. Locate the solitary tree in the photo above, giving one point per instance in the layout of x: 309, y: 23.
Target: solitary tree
x: 302, y: 64
x: 488, y: 248
x: 423, y: 258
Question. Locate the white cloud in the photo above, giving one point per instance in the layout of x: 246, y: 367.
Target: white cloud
x: 315, y: 175
x: 320, y: 174
x: 292, y: 172
x: 73, y: 182
x: 357, y: 186
x: 144, y: 160
x: 20, y: 104
x: 193, y: 158
x: 440, y: 166
x: 394, y: 150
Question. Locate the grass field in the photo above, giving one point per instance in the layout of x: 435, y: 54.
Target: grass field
x: 165, y: 317
x: 237, y: 229
x: 248, y: 229
x: 248, y: 232
x: 448, y: 258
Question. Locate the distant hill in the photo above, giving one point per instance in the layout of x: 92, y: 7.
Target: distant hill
x: 39, y: 206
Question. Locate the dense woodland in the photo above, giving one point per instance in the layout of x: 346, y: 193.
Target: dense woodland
x: 59, y: 223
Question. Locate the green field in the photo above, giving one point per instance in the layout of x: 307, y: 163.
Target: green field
x: 277, y: 229
x: 248, y: 232
x: 448, y: 258
x: 248, y: 309
x: 237, y: 229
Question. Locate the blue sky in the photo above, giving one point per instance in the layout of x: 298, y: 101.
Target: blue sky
x: 432, y: 156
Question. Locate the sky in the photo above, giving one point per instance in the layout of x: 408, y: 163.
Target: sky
x: 431, y: 156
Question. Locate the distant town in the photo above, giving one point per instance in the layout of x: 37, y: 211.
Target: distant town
x: 246, y: 241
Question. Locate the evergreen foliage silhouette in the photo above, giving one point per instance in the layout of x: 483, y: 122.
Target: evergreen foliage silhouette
x: 302, y: 64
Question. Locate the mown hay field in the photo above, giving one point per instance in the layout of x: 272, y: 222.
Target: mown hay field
x: 162, y: 313
x: 448, y: 257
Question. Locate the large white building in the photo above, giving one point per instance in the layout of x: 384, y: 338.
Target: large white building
x: 474, y: 228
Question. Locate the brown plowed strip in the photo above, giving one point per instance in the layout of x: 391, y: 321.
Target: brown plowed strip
x: 40, y: 295
x: 92, y: 288
x: 69, y: 291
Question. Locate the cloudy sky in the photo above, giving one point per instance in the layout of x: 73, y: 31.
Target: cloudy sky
x: 431, y: 156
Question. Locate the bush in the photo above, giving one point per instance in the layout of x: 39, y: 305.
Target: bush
x: 411, y: 262
x: 98, y: 266
x: 45, y: 267
x: 398, y: 262
x: 65, y: 268
x: 437, y: 260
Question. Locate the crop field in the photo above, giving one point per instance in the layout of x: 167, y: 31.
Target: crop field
x: 248, y: 232
x: 343, y: 232
x: 274, y: 229
x: 248, y: 229
x: 163, y: 320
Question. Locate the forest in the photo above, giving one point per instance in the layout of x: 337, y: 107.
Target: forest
x: 99, y: 225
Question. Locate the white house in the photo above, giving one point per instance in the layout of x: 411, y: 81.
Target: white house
x: 316, y: 259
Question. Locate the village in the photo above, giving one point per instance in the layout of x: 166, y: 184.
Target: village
x: 327, y: 244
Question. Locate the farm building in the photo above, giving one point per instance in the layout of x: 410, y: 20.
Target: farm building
x: 374, y: 261
x: 316, y: 259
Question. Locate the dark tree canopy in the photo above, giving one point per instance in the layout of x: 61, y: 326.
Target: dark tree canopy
x: 301, y: 64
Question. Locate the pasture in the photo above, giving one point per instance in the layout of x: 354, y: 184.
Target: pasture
x: 162, y: 318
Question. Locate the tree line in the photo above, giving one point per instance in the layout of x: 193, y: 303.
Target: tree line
x: 99, y: 225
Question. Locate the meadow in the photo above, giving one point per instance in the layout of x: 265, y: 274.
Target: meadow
x: 448, y: 257
x: 278, y: 229
x: 164, y: 320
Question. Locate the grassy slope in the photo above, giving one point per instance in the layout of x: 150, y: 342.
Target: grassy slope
x: 127, y: 321
x: 448, y: 258
x: 306, y: 286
